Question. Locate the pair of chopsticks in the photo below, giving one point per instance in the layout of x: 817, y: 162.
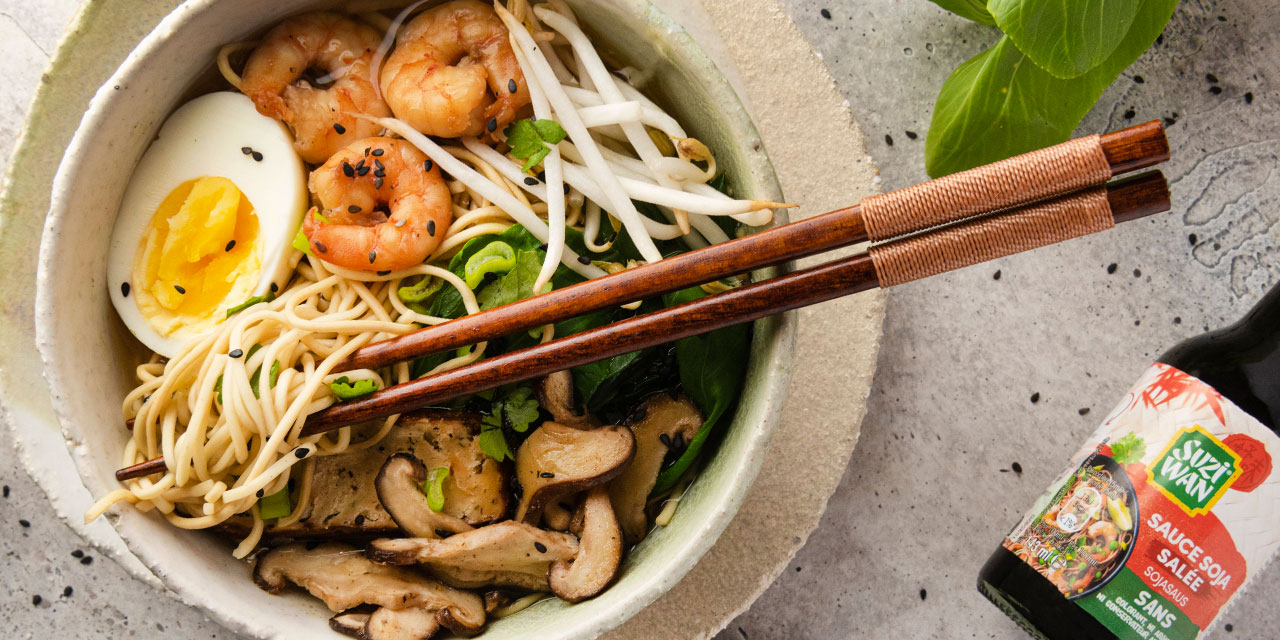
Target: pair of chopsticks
x: 1033, y: 200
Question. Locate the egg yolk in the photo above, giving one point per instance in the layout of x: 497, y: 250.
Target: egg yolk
x: 200, y: 254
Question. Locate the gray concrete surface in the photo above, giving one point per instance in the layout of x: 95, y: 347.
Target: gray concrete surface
x: 933, y: 485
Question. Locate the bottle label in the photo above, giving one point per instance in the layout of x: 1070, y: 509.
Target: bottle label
x: 1169, y: 510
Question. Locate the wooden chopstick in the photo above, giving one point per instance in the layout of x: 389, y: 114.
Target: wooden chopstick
x: 1126, y: 150
x: 1128, y: 200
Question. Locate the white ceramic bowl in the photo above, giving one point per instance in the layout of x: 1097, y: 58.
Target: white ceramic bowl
x: 89, y: 356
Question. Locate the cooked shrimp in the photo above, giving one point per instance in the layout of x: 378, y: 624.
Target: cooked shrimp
x: 312, y: 72
x: 453, y: 72
x: 1102, y: 535
x: 386, y: 207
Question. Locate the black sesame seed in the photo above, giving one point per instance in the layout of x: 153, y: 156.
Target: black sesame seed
x: 379, y: 174
x: 825, y: 14
x: 542, y: 548
x: 543, y: 246
x: 339, y: 128
x: 77, y: 554
x: 257, y: 156
x: 353, y: 209
x: 1137, y: 273
x: 377, y: 183
x: 996, y: 275
x: 236, y: 353
x: 373, y: 255
x: 431, y: 228
x: 666, y: 439
x: 493, y: 124
x: 362, y: 171
x: 320, y: 247
x: 584, y: 260
x: 378, y: 165
x: 1084, y: 411
x: 301, y: 452
x: 911, y: 135
x: 179, y: 289
x: 86, y: 561
x: 677, y: 442
x: 230, y: 245
x: 359, y: 520
x: 366, y: 152
x: 428, y: 165
x: 246, y: 150
x: 1210, y: 78
x: 512, y: 86
x: 377, y: 152
x: 66, y: 593
x: 261, y: 492
x: 24, y: 524
x: 124, y: 289
x: 383, y: 273
x: 546, y: 474
x: 274, y: 287
x: 1129, y: 114
x: 530, y: 180
x: 542, y: 175
x: 442, y: 533
x: 348, y: 170
x: 359, y: 164
x: 1139, y: 79
x: 36, y: 600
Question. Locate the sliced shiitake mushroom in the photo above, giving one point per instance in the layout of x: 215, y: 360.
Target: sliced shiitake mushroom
x: 506, y: 554
x: 599, y: 552
x: 352, y: 621
x: 661, y: 423
x: 343, y: 578
x: 555, y: 393
x: 413, y: 623
x: 557, y: 513
x: 557, y: 460
x: 496, y: 599
x: 344, y: 502
x: 399, y: 487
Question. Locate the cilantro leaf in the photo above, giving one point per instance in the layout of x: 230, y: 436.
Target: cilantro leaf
x: 519, y: 408
x: 434, y: 488
x: 346, y: 390
x: 1128, y: 449
x: 528, y: 139
x: 491, y: 440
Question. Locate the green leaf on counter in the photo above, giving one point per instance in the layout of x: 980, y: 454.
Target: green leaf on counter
x: 975, y: 10
x: 1065, y: 39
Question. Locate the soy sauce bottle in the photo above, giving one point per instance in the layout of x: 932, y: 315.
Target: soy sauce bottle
x: 1169, y: 508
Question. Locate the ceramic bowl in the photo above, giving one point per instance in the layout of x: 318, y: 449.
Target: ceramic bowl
x: 88, y: 354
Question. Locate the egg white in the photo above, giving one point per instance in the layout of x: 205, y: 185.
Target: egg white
x: 206, y: 137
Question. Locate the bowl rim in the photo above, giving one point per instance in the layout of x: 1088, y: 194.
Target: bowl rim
x: 772, y: 346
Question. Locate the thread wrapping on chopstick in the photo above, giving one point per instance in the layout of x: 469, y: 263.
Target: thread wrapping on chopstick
x: 994, y: 237
x: 1037, y: 175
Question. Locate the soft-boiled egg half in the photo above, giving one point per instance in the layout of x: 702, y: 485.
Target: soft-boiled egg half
x: 206, y: 222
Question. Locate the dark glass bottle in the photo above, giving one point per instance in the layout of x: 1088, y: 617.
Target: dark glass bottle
x: 1242, y: 363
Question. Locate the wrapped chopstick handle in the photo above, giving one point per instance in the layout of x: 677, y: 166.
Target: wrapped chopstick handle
x: 993, y: 237
x: 1037, y: 175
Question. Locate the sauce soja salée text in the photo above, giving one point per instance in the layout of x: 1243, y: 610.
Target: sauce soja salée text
x: 1168, y: 510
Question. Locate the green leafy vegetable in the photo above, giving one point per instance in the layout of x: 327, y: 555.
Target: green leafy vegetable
x: 711, y: 371
x: 346, y: 390
x: 1065, y: 38
x: 516, y: 284
x: 975, y: 10
x: 434, y: 488
x: 249, y: 303
x: 1129, y: 449
x: 491, y: 440
x: 276, y: 505
x: 529, y: 139
x: 518, y: 408
x: 495, y: 257
x: 1001, y: 103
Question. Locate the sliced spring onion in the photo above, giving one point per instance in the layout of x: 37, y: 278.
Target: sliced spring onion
x: 276, y: 505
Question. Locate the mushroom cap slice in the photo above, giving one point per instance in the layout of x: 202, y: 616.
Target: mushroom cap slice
x: 414, y: 623
x: 399, y: 488
x: 556, y: 514
x: 343, y: 578
x: 555, y: 393
x: 506, y: 554
x: 477, y: 488
x: 351, y: 622
x: 556, y: 460
x: 659, y: 423
x: 599, y: 552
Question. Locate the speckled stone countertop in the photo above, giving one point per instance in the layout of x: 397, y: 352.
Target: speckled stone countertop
x: 988, y: 378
